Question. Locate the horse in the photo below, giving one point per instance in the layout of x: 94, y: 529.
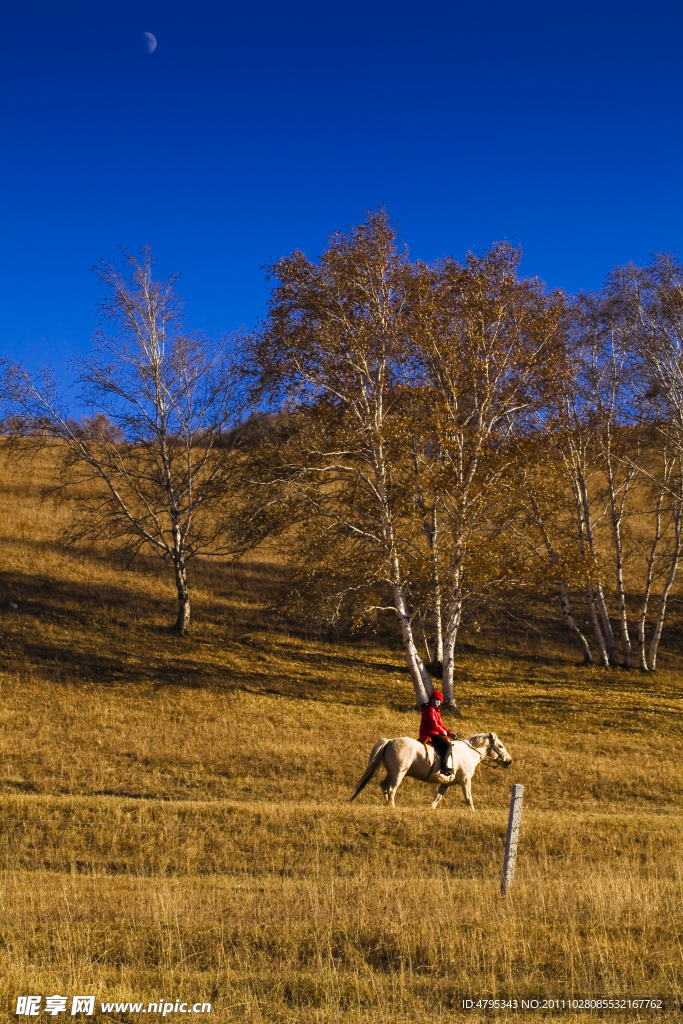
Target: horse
x: 405, y: 756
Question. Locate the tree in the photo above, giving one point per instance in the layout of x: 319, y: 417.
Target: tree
x: 158, y: 466
x: 413, y: 382
x: 483, y: 341
x: 337, y: 341
x: 646, y: 308
x: 611, y: 441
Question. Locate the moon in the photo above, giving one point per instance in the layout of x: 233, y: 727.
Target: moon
x: 150, y: 41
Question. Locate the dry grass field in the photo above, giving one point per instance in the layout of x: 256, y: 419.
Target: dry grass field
x: 176, y: 825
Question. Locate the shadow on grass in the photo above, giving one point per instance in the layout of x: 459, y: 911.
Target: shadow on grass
x: 97, y: 632
x: 91, y: 629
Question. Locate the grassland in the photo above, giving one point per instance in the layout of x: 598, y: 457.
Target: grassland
x: 175, y: 817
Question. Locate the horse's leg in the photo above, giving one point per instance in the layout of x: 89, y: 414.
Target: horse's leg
x: 399, y: 779
x: 467, y: 792
x: 440, y: 793
x: 385, y: 786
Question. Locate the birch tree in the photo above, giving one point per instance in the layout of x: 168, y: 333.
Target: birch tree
x: 568, y: 417
x: 483, y: 339
x: 612, y: 428
x: 166, y: 477
x: 336, y: 340
x: 661, y: 547
x: 647, y: 306
x: 613, y: 444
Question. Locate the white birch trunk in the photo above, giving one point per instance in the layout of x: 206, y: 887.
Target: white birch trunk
x: 438, y: 628
x: 571, y: 623
x: 454, y: 616
x: 582, y: 510
x: 648, y: 584
x: 422, y: 683
x: 617, y: 511
x: 599, y: 639
x: 438, y: 623
x: 596, y: 596
x: 182, y: 623
x: 641, y: 635
x: 430, y: 527
x: 659, y: 624
x: 613, y: 655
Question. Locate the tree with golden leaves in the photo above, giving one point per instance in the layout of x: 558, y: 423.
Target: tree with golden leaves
x: 484, y: 343
x: 337, y: 341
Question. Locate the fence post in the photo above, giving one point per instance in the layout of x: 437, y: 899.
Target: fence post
x: 513, y: 834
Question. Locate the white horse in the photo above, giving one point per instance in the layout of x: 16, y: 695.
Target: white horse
x: 405, y: 756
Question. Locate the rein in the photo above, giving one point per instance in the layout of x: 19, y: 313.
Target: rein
x: 492, y: 763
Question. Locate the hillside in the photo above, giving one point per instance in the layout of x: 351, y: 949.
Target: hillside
x: 176, y: 819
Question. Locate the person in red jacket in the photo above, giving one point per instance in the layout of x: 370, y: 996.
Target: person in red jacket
x: 432, y: 730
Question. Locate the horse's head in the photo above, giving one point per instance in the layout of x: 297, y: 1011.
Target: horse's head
x: 495, y: 751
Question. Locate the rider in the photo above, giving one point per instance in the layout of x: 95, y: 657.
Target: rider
x: 432, y: 730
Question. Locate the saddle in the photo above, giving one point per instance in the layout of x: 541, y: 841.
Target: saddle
x: 435, y: 764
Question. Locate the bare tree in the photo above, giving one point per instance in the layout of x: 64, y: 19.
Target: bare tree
x: 157, y: 468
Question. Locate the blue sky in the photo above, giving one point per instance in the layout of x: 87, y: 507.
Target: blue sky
x: 256, y: 128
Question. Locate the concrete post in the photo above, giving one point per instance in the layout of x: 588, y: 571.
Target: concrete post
x: 513, y: 834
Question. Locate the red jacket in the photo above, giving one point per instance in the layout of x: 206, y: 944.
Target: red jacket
x: 431, y: 724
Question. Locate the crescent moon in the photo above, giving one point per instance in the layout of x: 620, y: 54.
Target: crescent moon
x: 151, y: 42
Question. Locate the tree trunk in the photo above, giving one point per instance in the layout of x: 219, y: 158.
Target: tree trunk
x: 453, y: 617
x: 584, y: 533
x: 422, y: 683
x: 438, y: 623
x: 621, y: 595
x: 613, y: 658
x: 183, y: 621
x: 438, y: 628
x: 599, y: 639
x: 641, y: 633
x: 430, y: 527
x: 596, y: 597
x: 617, y: 511
x: 451, y: 633
x: 659, y: 624
x: 571, y: 623
x: 648, y: 583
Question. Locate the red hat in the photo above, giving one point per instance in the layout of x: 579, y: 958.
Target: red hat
x: 438, y: 694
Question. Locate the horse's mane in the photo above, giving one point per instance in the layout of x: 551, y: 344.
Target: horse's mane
x: 479, y: 738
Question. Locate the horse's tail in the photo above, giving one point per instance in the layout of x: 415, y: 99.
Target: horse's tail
x: 373, y: 765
